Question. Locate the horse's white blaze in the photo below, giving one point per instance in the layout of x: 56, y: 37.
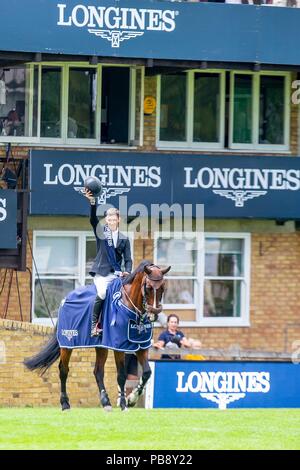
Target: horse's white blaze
x: 154, y: 305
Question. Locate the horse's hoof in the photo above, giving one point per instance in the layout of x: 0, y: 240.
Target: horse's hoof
x: 107, y: 408
x: 65, y: 405
x: 133, y: 397
x: 104, y: 400
x: 131, y: 403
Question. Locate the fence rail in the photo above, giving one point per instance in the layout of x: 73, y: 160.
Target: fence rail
x: 213, y: 353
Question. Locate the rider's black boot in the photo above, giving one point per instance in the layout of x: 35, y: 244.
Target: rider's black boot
x: 96, y: 317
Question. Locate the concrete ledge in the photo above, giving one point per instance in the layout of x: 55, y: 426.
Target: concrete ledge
x: 14, y: 325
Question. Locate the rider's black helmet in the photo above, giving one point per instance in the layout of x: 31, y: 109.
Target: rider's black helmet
x: 93, y: 184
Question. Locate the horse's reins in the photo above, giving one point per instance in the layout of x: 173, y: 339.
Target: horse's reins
x: 134, y: 306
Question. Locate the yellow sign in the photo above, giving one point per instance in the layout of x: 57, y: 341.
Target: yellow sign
x: 149, y: 104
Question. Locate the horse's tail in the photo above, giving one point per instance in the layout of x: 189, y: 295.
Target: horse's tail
x: 46, y: 357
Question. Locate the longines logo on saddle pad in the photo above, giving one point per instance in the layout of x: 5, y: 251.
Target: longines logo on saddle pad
x: 116, y: 24
x: 69, y: 333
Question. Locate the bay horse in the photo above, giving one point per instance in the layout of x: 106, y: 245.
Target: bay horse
x: 141, y: 292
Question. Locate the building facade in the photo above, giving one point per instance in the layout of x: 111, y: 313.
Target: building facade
x: 163, y: 111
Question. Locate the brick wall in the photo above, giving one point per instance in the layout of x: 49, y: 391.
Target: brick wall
x: 20, y: 387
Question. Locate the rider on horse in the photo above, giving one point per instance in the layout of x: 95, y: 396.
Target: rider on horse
x: 112, y: 247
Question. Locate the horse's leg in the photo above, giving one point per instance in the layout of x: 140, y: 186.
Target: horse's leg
x: 65, y: 355
x: 101, y: 356
x: 121, y: 378
x: 142, y: 356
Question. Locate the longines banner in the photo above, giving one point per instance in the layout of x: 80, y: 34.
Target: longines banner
x: 149, y: 29
x: 189, y: 384
x: 227, y: 186
x: 8, y: 219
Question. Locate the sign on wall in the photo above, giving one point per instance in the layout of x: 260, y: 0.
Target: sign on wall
x: 57, y: 180
x: 227, y: 186
x: 233, y: 186
x: 8, y: 219
x: 150, y: 29
x: 191, y: 384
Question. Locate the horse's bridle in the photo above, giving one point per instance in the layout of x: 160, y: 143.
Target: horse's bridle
x: 145, y: 307
x: 153, y: 280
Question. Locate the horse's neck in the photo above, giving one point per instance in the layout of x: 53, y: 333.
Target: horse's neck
x: 134, y: 291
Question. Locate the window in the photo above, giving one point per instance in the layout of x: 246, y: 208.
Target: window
x: 271, y: 110
x: 14, y: 103
x: 71, y: 104
x: 191, y: 111
x: 209, y: 109
x: 57, y: 264
x: 115, y: 104
x: 90, y: 253
x: 182, y: 254
x: 51, y: 91
x: 63, y: 261
x: 214, y: 280
x: 224, y: 277
x: 243, y: 109
x: 82, y: 103
x: 260, y: 110
x: 173, y: 107
x: 206, y: 122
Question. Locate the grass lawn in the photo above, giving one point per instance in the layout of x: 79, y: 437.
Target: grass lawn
x: 158, y: 429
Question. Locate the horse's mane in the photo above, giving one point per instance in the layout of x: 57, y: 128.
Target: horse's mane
x: 129, y: 279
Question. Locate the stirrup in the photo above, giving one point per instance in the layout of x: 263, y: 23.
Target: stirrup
x: 96, y: 331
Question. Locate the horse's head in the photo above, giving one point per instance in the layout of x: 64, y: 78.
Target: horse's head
x: 153, y: 285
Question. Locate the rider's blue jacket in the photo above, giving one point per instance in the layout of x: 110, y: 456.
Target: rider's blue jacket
x: 101, y: 264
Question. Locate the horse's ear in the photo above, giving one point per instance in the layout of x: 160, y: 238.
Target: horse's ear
x: 165, y: 271
x: 147, y: 270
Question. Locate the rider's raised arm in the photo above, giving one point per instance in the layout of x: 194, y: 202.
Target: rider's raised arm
x: 93, y: 212
x: 93, y: 217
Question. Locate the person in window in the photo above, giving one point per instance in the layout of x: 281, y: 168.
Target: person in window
x: 12, y: 123
x: 112, y: 248
x: 174, y: 338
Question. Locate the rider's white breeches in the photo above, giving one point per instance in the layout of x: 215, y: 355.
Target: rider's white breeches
x: 102, y: 282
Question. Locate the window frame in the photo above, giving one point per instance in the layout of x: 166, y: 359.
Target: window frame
x: 192, y: 306
x: 188, y: 143
x: 255, y: 145
x: 28, y: 95
x: 244, y: 319
x: 82, y: 236
x: 64, y: 140
x: 216, y: 322
x: 80, y: 255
